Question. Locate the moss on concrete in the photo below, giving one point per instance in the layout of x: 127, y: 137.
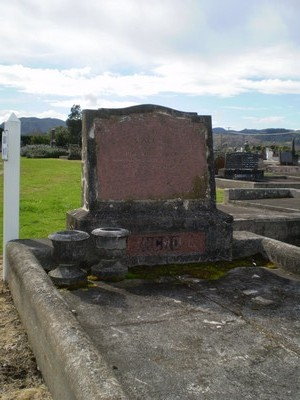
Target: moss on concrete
x: 207, y: 271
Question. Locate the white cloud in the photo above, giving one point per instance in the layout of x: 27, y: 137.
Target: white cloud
x: 92, y: 102
x: 46, y: 114
x: 116, y: 53
x: 272, y: 72
x: 266, y: 120
x: 5, y: 114
x: 140, y: 33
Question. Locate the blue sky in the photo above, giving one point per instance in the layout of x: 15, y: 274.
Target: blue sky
x: 237, y: 60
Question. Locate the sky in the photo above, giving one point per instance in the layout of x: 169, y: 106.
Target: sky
x: 236, y: 60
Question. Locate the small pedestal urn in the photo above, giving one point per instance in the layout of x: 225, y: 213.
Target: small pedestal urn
x: 111, y: 249
x: 69, y: 249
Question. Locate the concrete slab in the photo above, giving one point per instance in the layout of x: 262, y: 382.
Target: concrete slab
x: 233, y: 338
x: 181, y: 338
x: 273, y: 218
x: 274, y: 182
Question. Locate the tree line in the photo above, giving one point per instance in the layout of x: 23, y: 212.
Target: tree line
x: 64, y: 136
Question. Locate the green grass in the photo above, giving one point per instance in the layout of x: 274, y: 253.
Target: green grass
x: 220, y: 196
x: 207, y: 271
x: 49, y: 188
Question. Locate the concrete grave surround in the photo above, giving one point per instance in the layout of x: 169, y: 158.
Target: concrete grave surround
x: 149, y: 169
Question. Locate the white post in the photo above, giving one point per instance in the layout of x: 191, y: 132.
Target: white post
x: 11, y: 184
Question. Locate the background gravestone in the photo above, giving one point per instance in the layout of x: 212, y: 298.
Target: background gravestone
x: 149, y: 169
x: 289, y: 157
x: 242, y: 166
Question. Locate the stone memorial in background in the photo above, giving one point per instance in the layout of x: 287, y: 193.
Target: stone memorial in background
x: 289, y: 157
x: 150, y: 169
x: 242, y: 166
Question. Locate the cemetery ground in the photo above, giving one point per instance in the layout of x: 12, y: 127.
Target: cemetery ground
x: 49, y: 187
x: 19, y: 376
x: 242, y: 332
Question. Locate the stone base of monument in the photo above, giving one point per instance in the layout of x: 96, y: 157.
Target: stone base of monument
x: 68, y: 275
x: 163, y: 232
x: 242, y: 174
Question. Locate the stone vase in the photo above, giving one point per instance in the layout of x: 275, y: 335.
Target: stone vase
x: 69, y: 250
x: 110, y: 245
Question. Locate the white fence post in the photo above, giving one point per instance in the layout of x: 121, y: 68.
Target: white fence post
x: 11, y: 183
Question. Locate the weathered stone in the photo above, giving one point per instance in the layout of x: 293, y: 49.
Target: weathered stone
x: 69, y: 246
x: 149, y: 169
x: 110, y: 242
x: 68, y: 275
x: 110, y: 270
x: 69, y: 249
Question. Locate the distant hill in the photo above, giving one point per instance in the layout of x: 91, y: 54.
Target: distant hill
x: 264, y: 132
x: 38, y: 126
x: 267, y: 137
x: 219, y: 130
x: 41, y: 126
x: 268, y: 131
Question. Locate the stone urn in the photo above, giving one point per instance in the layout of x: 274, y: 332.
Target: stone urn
x: 110, y: 245
x: 69, y: 250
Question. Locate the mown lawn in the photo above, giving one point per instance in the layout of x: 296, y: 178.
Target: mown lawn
x: 49, y: 188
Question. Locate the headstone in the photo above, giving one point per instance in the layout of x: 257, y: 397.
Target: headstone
x: 269, y: 154
x: 52, y: 138
x: 289, y: 157
x: 286, y: 158
x: 149, y: 169
x: 242, y: 166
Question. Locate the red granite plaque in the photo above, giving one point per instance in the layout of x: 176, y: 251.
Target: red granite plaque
x: 150, y: 157
x: 166, y: 243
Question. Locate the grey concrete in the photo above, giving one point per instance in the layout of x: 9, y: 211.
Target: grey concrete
x: 279, y: 200
x: 276, y: 218
x: 71, y: 365
x: 277, y: 182
x: 231, y: 339
x: 256, y: 194
x: 284, y: 255
x: 170, y: 339
x: 234, y: 338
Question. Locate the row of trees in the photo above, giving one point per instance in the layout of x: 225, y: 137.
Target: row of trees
x: 64, y: 135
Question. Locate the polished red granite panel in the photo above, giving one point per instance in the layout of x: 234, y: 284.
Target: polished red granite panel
x: 151, y: 156
x: 166, y: 243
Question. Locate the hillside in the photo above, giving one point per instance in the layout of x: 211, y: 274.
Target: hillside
x: 38, y: 126
x: 267, y: 137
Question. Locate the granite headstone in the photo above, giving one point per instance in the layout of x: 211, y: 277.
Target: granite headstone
x: 242, y: 166
x: 150, y: 169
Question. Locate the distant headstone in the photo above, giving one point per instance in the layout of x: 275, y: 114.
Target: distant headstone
x: 149, y: 169
x: 289, y: 157
x: 52, y: 138
x: 269, y: 154
x: 243, y: 166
